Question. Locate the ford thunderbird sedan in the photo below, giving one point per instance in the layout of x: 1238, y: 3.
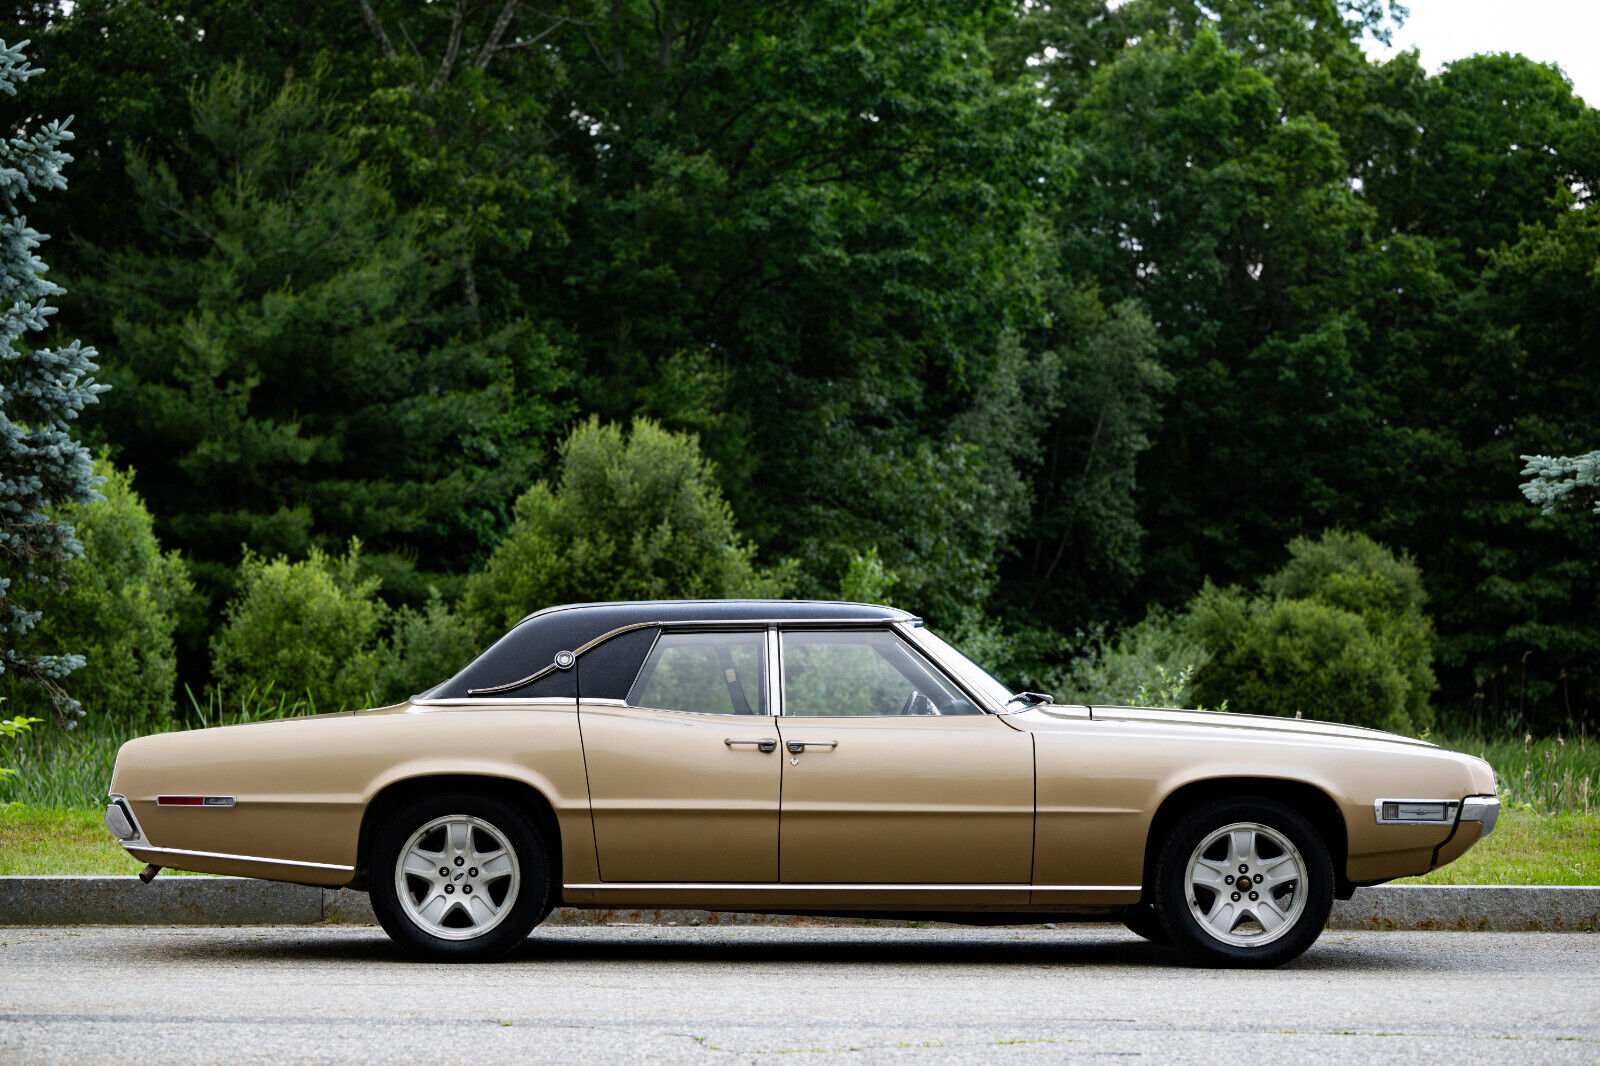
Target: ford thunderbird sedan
x: 796, y: 757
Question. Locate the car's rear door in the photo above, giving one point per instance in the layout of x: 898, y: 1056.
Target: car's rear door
x: 684, y: 771
x: 892, y: 775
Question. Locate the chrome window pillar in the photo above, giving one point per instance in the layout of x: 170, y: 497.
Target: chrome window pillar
x: 774, y: 673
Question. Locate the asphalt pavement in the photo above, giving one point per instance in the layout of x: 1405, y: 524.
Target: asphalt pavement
x: 763, y: 994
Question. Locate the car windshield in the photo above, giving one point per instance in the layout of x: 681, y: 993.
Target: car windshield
x: 970, y: 672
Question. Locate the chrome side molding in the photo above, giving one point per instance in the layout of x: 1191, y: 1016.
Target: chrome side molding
x: 295, y: 864
x: 786, y: 886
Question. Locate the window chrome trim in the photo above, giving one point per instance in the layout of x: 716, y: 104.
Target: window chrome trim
x: 543, y: 672
x: 1451, y: 807
x: 683, y: 625
x: 638, y: 671
x: 493, y: 701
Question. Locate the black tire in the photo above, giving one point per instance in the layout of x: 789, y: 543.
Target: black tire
x: 1141, y: 919
x: 1299, y: 902
x: 523, y: 895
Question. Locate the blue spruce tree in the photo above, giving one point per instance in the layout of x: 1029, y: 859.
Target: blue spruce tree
x: 41, y: 391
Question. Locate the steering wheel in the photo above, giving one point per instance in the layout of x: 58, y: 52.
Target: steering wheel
x: 910, y: 706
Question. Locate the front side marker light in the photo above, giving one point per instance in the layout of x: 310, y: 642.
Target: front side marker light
x: 1416, y: 812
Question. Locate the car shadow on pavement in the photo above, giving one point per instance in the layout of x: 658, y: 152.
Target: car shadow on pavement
x: 1112, y: 949
x: 701, y: 946
x: 910, y: 949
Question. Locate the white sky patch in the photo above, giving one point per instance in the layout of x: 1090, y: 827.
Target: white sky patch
x: 1563, y: 32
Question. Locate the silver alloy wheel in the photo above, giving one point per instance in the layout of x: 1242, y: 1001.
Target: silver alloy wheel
x: 1246, y: 884
x: 457, y: 877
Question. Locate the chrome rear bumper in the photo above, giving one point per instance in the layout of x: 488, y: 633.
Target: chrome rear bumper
x: 122, y: 824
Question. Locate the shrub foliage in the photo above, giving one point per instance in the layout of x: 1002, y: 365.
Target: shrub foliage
x: 118, y: 608
x: 635, y: 515
x: 1338, y: 633
x: 309, y: 627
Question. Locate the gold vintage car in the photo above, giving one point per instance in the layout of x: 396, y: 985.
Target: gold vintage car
x: 796, y: 757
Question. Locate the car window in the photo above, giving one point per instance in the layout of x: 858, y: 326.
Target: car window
x: 862, y: 673
x: 707, y: 673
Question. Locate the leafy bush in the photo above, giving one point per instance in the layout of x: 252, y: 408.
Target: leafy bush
x: 10, y: 727
x: 424, y: 648
x: 1148, y: 664
x: 636, y: 516
x: 1339, y: 633
x: 308, y: 627
x: 119, y: 608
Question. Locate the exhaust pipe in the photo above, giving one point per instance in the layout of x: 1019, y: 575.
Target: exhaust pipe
x: 148, y: 874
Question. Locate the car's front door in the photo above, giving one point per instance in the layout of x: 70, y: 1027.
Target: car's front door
x: 891, y: 775
x: 683, y: 773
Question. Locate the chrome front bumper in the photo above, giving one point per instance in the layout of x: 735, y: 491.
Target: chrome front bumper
x: 1485, y: 809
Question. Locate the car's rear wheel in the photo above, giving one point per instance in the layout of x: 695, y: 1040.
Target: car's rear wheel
x: 459, y: 877
x: 1244, y: 881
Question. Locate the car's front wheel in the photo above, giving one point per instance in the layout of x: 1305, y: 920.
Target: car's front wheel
x: 459, y: 877
x: 1244, y: 881
x: 1141, y: 919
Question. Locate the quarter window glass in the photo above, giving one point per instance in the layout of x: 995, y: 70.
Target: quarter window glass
x: 707, y: 673
x: 862, y: 673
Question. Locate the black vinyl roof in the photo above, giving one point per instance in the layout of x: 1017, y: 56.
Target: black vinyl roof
x: 532, y: 643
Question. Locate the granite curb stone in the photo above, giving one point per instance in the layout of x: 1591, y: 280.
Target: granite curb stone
x: 47, y: 901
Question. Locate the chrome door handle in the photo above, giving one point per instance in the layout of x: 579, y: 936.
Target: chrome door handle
x: 766, y: 744
x: 797, y: 746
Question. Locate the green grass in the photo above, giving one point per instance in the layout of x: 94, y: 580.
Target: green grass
x: 1528, y: 848
x: 41, y: 842
x: 48, y: 843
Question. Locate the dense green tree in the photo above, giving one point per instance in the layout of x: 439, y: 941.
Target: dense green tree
x: 1230, y: 220
x: 42, y: 390
x: 628, y: 516
x: 1518, y: 594
x: 1492, y: 143
x: 811, y: 235
x: 290, y: 376
x: 1052, y: 309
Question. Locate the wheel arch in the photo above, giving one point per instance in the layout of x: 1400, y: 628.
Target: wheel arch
x: 1316, y: 805
x: 519, y: 795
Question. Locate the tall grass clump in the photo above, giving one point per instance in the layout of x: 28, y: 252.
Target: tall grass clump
x: 1544, y: 774
x: 70, y: 770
